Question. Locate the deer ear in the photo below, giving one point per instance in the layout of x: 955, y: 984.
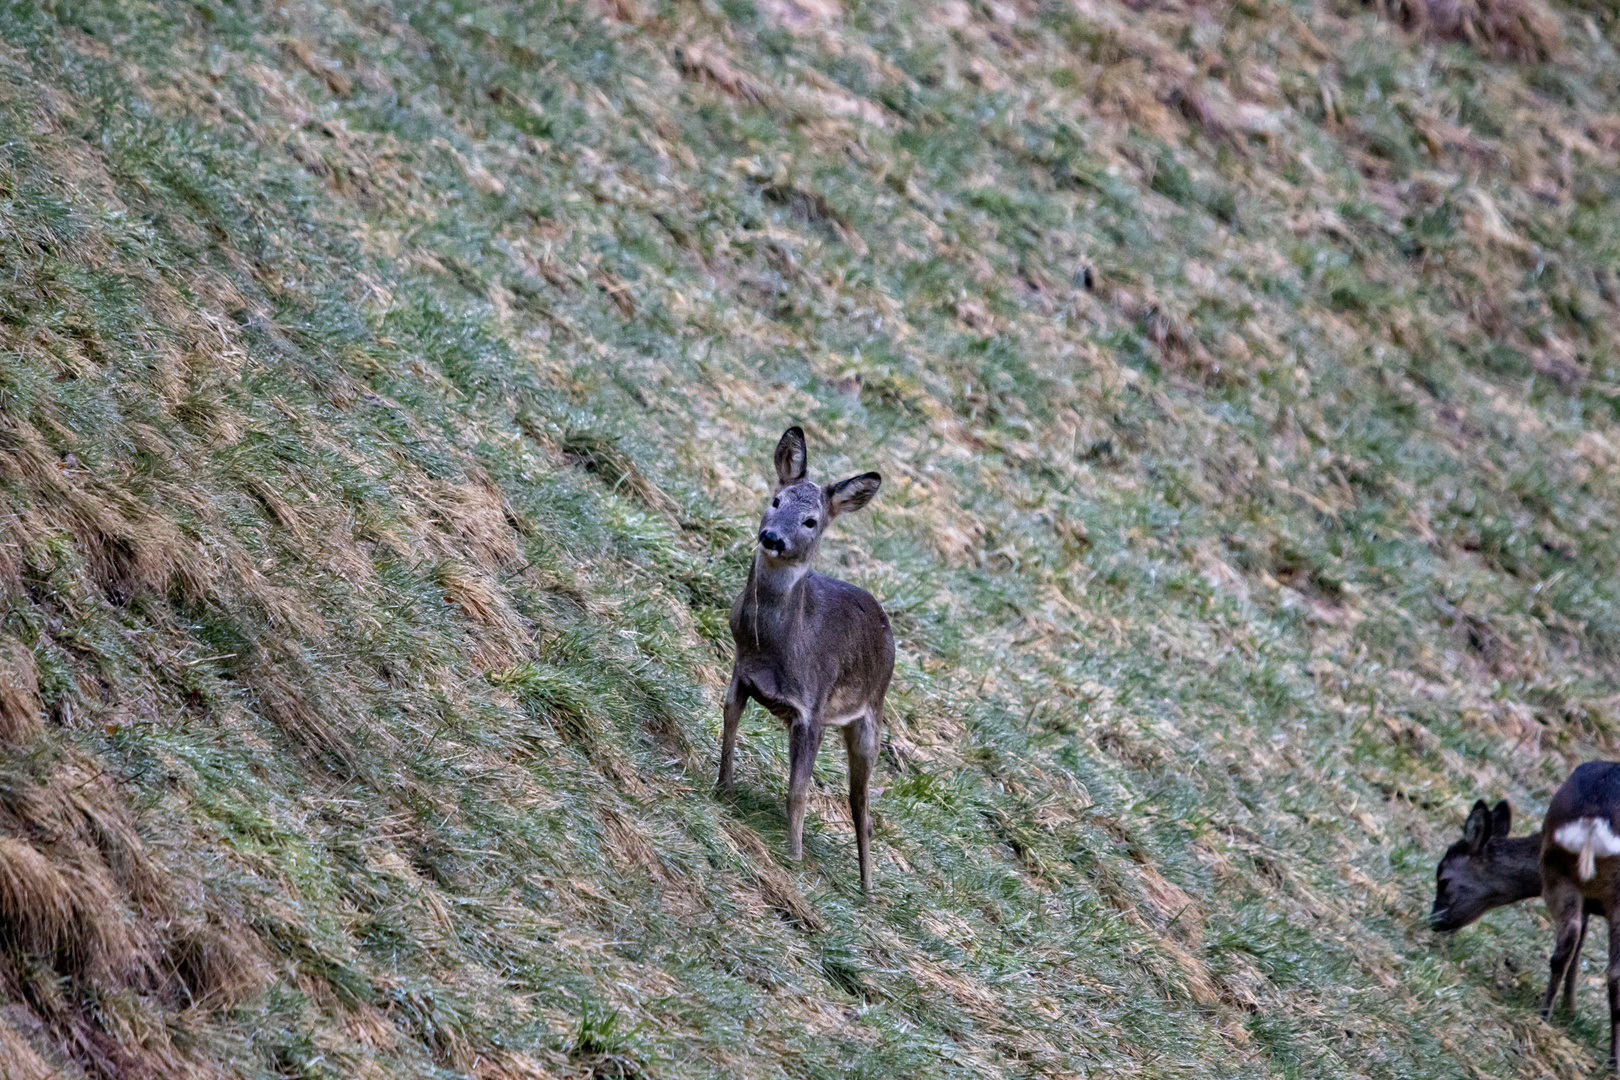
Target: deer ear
x: 792, y: 459
x: 1501, y: 819
x: 1477, y: 829
x: 852, y: 494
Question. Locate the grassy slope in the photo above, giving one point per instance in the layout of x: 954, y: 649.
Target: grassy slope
x: 386, y: 391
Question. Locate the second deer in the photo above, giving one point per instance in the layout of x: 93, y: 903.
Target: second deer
x: 815, y: 651
x: 1572, y: 863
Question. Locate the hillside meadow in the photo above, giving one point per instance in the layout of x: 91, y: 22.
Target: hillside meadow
x: 387, y: 395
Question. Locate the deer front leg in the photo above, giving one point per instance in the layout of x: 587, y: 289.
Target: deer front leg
x: 1574, y: 966
x: 804, y: 742
x: 732, y: 712
x: 860, y: 740
x: 1564, y: 904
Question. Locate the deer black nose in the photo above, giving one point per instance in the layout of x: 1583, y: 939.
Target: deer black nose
x: 771, y: 540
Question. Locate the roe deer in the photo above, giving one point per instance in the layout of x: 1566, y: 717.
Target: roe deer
x: 1485, y: 869
x: 815, y: 651
x: 1571, y: 863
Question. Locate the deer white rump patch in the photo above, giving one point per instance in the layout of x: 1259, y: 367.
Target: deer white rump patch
x: 1591, y: 839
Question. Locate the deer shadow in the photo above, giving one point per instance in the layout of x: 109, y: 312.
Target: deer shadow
x: 765, y: 812
x: 1506, y: 967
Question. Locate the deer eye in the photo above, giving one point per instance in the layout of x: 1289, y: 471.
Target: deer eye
x: 775, y: 503
x: 809, y: 523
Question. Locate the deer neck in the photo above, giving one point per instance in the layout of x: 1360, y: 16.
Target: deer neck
x: 1520, y: 861
x: 772, y: 604
x: 770, y: 586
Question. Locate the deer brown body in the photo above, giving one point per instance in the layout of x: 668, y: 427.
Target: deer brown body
x: 1573, y: 864
x: 814, y: 651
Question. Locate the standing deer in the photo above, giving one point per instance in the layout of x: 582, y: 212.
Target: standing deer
x: 1571, y: 863
x: 815, y: 651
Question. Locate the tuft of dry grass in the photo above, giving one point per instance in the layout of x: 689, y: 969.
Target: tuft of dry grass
x: 20, y: 709
x: 1522, y: 30
x: 21, y: 1062
x: 217, y: 965
x: 37, y: 902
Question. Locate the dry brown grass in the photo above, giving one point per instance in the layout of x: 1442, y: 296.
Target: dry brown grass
x: 501, y: 636
x: 85, y: 899
x: 291, y: 702
x: 709, y: 61
x: 18, y: 1061
x: 20, y: 708
x: 1523, y: 30
x: 216, y: 964
x: 37, y: 903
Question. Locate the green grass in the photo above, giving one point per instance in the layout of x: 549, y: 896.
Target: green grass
x: 386, y: 394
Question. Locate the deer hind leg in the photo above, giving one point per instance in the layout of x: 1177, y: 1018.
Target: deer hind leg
x: 1574, y: 969
x: 736, y: 701
x: 804, y: 742
x: 1564, y: 903
x: 861, y: 741
x: 1614, y: 987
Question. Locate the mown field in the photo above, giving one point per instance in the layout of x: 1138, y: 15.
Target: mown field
x: 387, y: 393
